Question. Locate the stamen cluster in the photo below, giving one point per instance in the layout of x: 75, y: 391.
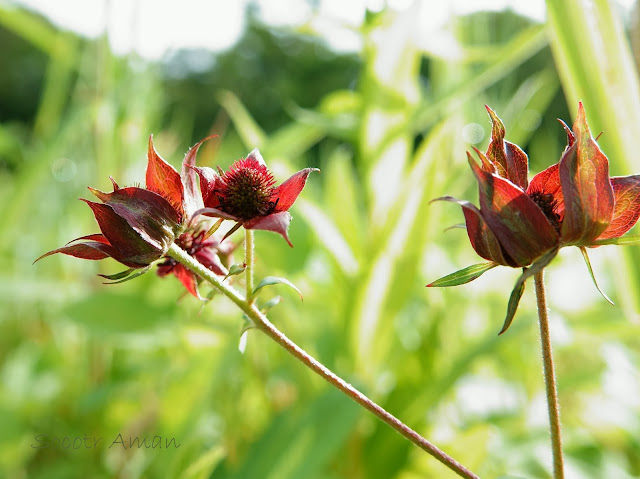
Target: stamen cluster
x: 246, y: 190
x: 549, y: 206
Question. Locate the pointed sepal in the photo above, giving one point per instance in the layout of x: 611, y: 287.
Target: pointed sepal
x: 164, y: 179
x: 190, y: 183
x: 588, y: 194
x: 126, y: 275
x: 483, y: 241
x: 630, y: 240
x: 507, y: 158
x: 287, y: 193
x: 463, y: 276
x: 517, y: 222
x: 276, y: 222
x: 626, y: 211
x: 583, y: 250
x: 93, y: 250
x: 514, y: 300
x: 512, y: 305
x: 132, y: 247
x: 210, y: 185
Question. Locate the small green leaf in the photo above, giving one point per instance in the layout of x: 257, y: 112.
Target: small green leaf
x: 463, y: 276
x: 583, y: 250
x: 270, y: 304
x: 270, y: 280
x: 236, y: 269
x: 622, y: 241
x: 518, y: 289
x: 127, y: 275
x: 117, y: 276
x: 512, y: 307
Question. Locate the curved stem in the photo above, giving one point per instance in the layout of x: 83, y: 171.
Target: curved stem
x: 248, y: 261
x: 261, y: 322
x: 549, y: 378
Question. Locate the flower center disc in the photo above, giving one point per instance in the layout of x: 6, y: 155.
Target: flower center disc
x: 548, y: 204
x: 249, y: 187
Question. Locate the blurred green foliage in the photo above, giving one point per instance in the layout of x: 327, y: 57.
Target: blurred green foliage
x: 388, y: 127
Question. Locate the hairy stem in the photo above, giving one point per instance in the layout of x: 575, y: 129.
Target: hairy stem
x: 248, y: 261
x: 549, y: 378
x: 261, y: 322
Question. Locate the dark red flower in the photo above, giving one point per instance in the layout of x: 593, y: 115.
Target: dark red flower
x: 572, y: 203
x: 212, y: 253
x: 247, y: 194
x: 139, y: 224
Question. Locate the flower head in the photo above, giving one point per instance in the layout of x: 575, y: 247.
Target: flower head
x: 247, y: 194
x: 138, y: 225
x: 210, y: 251
x: 523, y: 224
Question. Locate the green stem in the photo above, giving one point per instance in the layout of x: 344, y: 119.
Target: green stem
x: 248, y: 261
x: 261, y: 322
x: 549, y: 378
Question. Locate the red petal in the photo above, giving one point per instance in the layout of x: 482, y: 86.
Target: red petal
x: 509, y: 159
x: 287, y: 192
x: 215, y: 213
x: 548, y: 181
x: 276, y: 222
x: 588, y: 195
x: 571, y: 138
x: 146, y: 212
x: 517, y: 222
x: 483, y: 241
x: 164, y: 269
x: 210, y: 185
x: 129, y: 247
x: 192, y: 194
x: 187, y: 278
x: 626, y: 190
x: 164, y: 179
x: 91, y: 250
x: 517, y: 164
x: 210, y: 259
x: 488, y: 165
x: 255, y: 155
x: 94, y: 237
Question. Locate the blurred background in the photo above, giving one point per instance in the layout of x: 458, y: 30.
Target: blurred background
x: 384, y: 97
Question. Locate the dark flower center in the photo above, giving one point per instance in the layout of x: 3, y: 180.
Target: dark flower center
x: 549, y: 206
x: 248, y: 190
x: 189, y: 241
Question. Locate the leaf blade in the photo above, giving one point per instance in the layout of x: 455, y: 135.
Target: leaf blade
x: 622, y: 241
x: 463, y: 276
x: 271, y: 280
x: 583, y: 250
x: 518, y: 289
